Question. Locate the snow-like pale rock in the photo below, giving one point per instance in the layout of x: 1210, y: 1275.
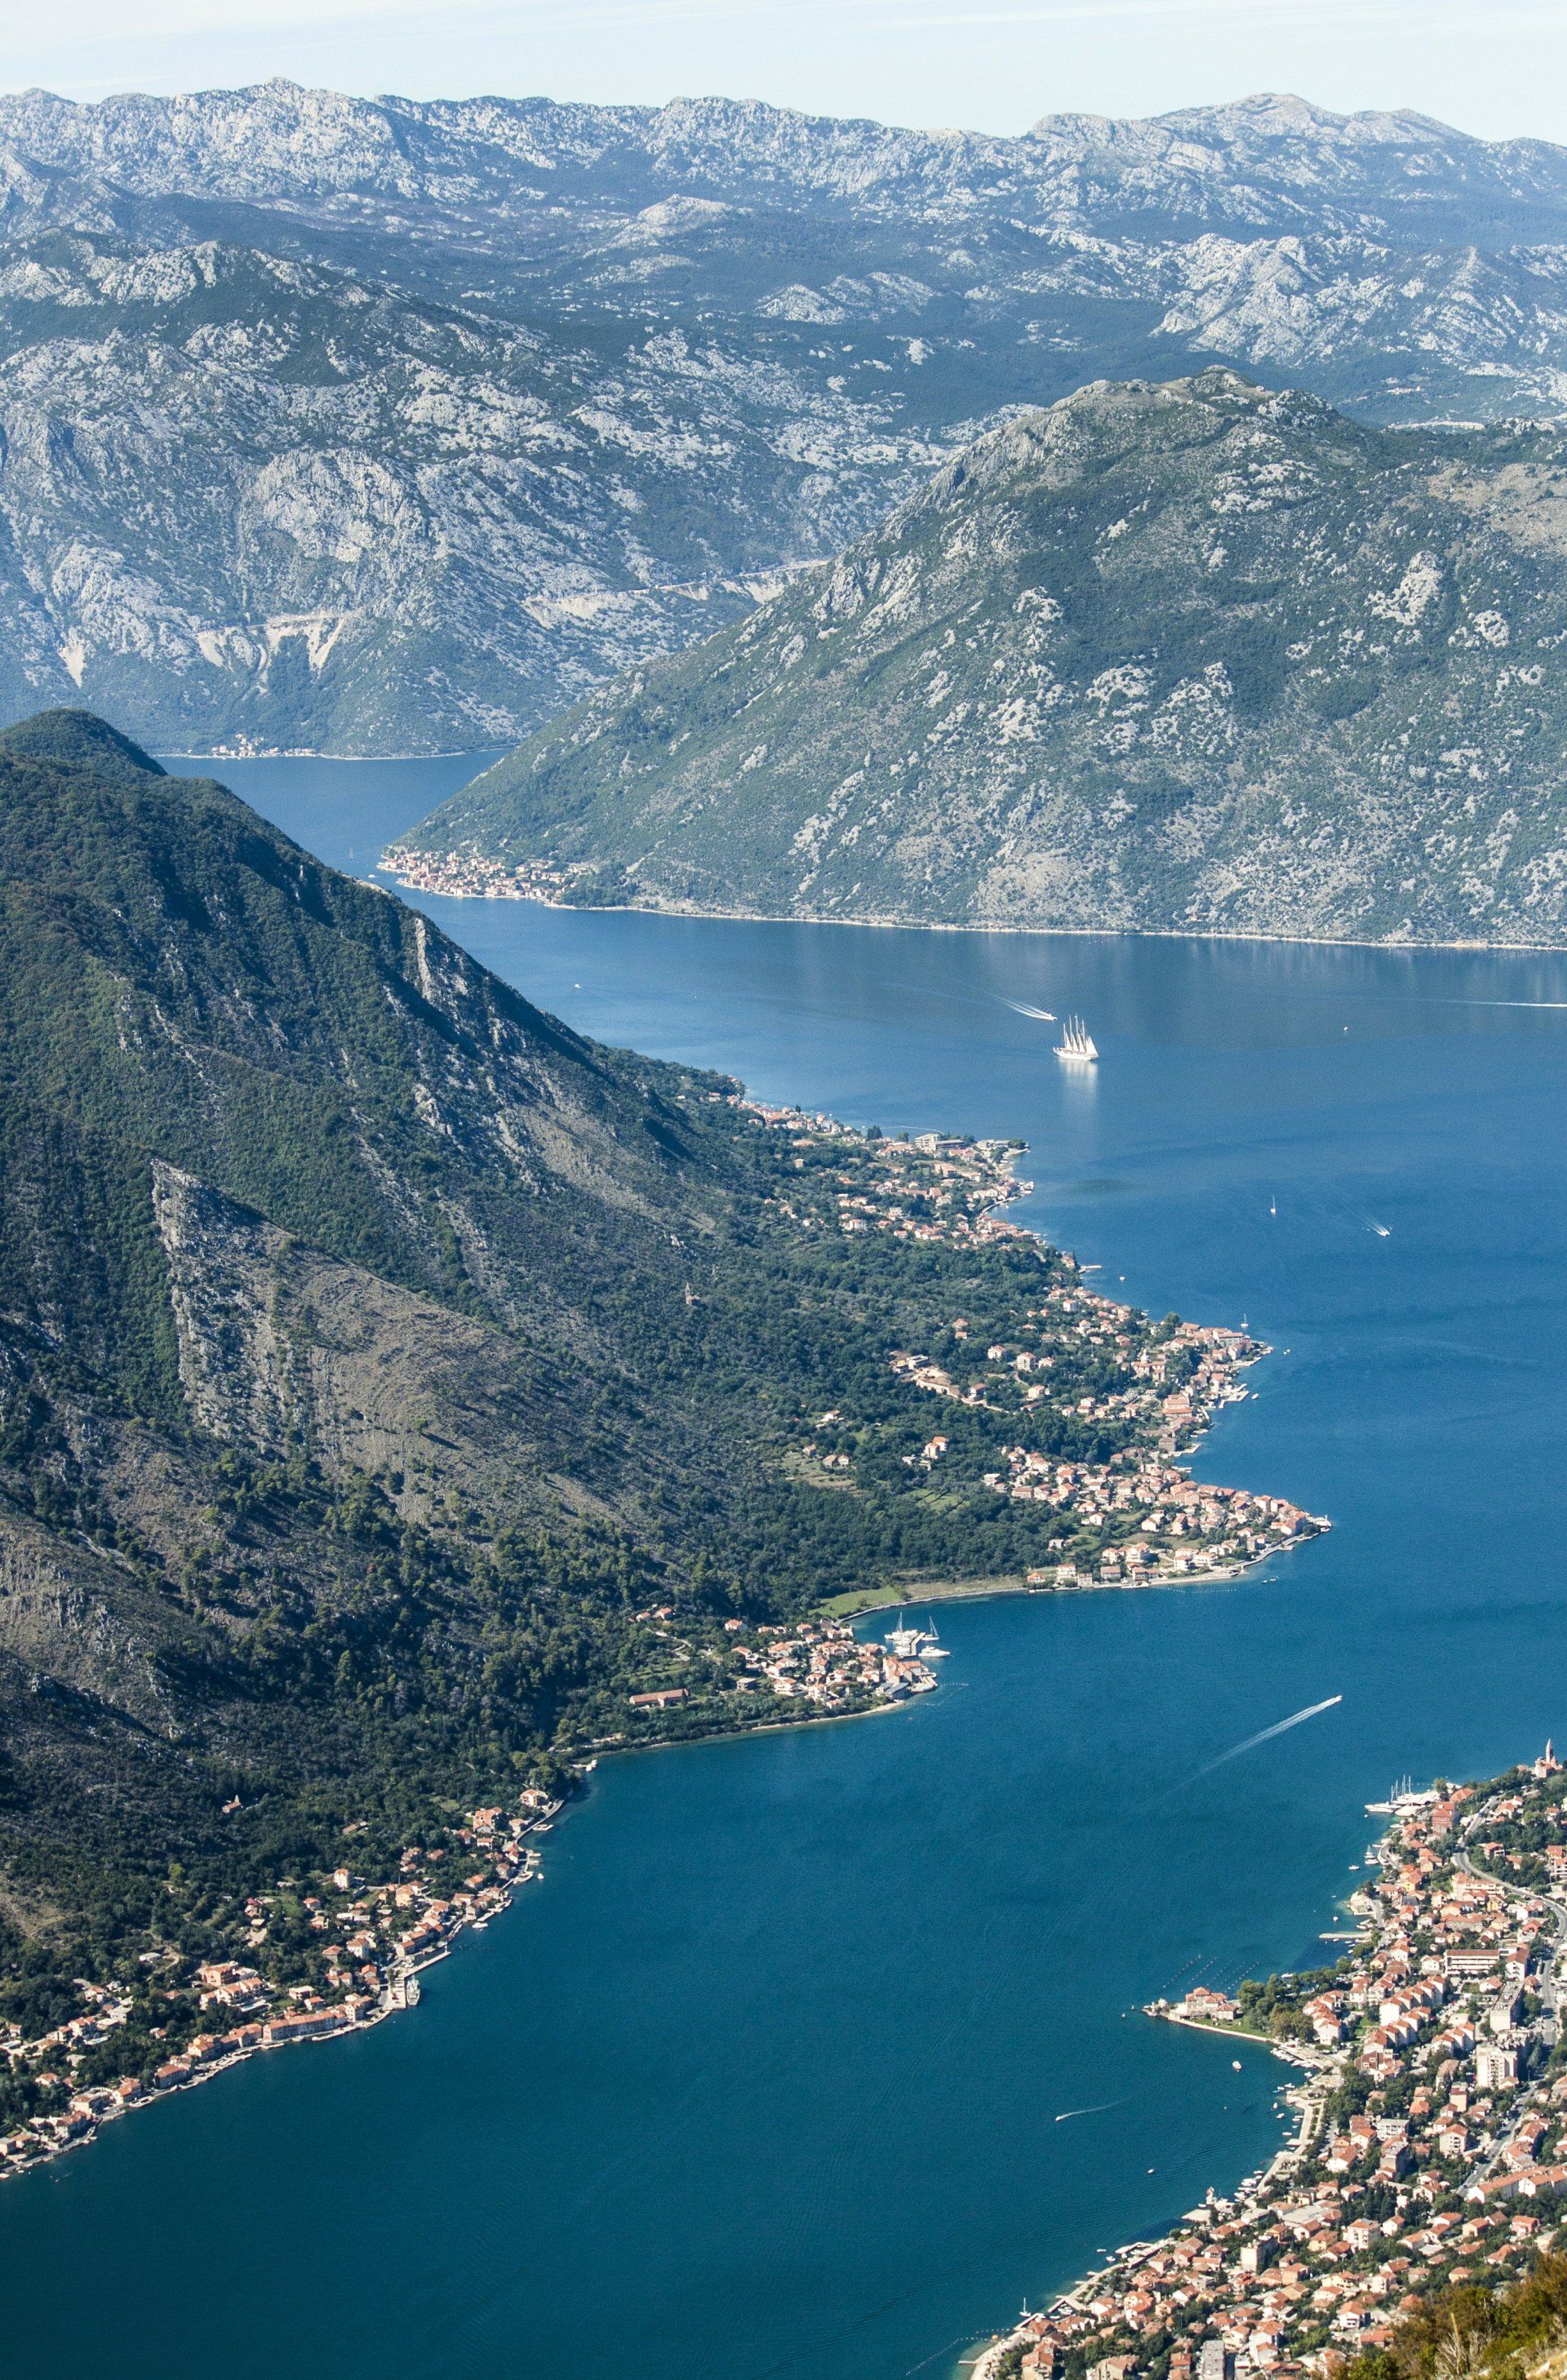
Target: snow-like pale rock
x: 512, y: 395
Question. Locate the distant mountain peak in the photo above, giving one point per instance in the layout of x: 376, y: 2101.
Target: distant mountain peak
x: 1193, y: 655
x: 77, y: 739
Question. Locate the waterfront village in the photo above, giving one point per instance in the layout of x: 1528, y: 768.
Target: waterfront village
x: 463, y: 876
x: 1101, y: 1399
x: 1431, y: 2117
x: 374, y: 1942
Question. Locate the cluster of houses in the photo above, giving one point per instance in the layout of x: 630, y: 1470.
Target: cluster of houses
x: 1164, y: 1383
x: 1183, y: 1529
x: 1075, y: 1355
x: 1168, y: 1386
x: 1432, y: 2141
x: 464, y: 877
x: 226, y: 2008
x: 1154, y: 1520
x: 822, y: 1661
x: 932, y: 1188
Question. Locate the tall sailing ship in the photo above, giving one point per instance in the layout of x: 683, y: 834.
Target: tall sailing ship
x: 1076, y: 1044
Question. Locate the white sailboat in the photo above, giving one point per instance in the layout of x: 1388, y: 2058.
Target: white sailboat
x: 1076, y: 1044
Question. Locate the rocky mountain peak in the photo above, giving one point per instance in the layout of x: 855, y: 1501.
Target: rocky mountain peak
x: 1193, y: 655
x: 352, y: 424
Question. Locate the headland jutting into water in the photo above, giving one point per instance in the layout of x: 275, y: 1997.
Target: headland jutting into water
x: 1431, y: 2145
x: 1085, y: 1405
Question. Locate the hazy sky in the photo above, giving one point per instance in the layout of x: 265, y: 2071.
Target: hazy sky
x: 1497, y: 68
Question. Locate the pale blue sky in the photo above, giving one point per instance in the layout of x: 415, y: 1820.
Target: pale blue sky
x: 998, y: 65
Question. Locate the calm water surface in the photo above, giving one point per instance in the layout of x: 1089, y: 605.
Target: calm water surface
x: 813, y: 2055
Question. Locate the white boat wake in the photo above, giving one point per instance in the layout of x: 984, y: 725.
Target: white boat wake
x: 1280, y: 1727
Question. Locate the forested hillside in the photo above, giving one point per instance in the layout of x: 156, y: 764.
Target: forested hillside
x: 393, y: 1385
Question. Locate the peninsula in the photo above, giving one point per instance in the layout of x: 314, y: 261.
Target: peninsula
x: 403, y: 1400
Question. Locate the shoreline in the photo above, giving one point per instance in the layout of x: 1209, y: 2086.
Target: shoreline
x: 399, y: 1991
x: 503, y: 1845
x: 1451, y: 2057
x: 344, y: 760
x: 962, y: 926
x: 982, y: 1590
x: 400, y: 1988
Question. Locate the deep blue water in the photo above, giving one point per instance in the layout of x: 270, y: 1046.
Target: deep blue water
x: 765, y: 2077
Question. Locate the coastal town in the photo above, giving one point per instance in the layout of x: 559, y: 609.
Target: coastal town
x: 1430, y: 2145
x: 1083, y: 1404
x: 373, y: 1943
x: 466, y: 876
x: 369, y: 1943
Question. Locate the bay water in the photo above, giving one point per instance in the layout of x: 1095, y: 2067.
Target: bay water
x: 816, y: 2053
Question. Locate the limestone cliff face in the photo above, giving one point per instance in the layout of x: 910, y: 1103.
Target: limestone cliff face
x: 236, y: 1367
x: 281, y: 1347
x: 377, y: 425
x: 81, y: 1635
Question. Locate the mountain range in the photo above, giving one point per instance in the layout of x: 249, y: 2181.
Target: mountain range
x: 394, y: 1384
x: 1189, y: 655
x: 379, y: 425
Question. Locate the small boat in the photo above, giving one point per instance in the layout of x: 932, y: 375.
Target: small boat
x: 1076, y: 1044
x: 1272, y: 1206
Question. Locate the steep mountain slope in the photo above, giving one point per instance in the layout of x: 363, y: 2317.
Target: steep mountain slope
x: 379, y: 425
x: 397, y: 1391
x: 1191, y: 655
x: 252, y: 499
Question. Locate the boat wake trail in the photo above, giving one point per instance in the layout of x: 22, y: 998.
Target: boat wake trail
x: 1067, y: 2113
x: 1266, y: 1735
x: 1041, y: 1016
